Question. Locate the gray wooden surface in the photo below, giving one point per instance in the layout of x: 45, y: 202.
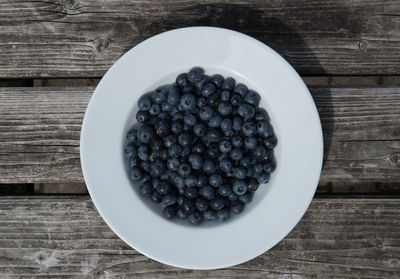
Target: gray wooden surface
x: 41, y: 126
x: 83, y: 38
x: 53, y: 52
x: 56, y: 237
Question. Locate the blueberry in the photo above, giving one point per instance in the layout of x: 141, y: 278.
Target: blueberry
x: 224, y: 190
x: 217, y: 203
x: 162, y: 128
x: 241, y: 89
x: 262, y: 127
x: 186, y: 151
x: 237, y: 123
x: 212, y: 151
x: 261, y: 115
x: 195, y: 74
x: 208, y: 89
x: 229, y: 134
x: 163, y: 116
x: 270, y: 142
x: 225, y: 146
x: 144, y: 152
x: 155, y: 197
x: 142, y: 116
x: 217, y: 80
x: 225, y: 96
x: 237, y: 207
x: 259, y: 151
x: 157, y: 144
x: 199, y: 129
x: 225, y: 108
x: 181, y: 214
x: 177, y: 116
x: 232, y: 196
x: 209, y: 166
x: 145, y: 134
x: 163, y: 188
x: 214, y: 135
x: 250, y: 142
x: 181, y: 80
x: 146, y: 189
x: 223, y: 214
x: 236, y: 154
x: 246, y: 198
x: 250, y: 172
x: 169, y: 199
x: 195, y: 218
x: 176, y: 127
x: 179, y: 181
x: 236, y: 100
x: 249, y: 129
x: 169, y: 175
x: 246, y: 111
x: 144, y: 102
x: 228, y: 84
x: 196, y: 161
x: 207, y: 192
x: 188, y: 102
x: 192, y: 192
x: 202, y: 180
x: 173, y: 164
x: 263, y: 177
x: 188, y: 206
x: 201, y: 204
x: 145, y: 166
x: 190, y: 119
x: 166, y: 107
x: 173, y: 95
x: 215, y: 121
x: 206, y: 113
x: 200, y: 84
x: 133, y: 162
x: 269, y: 132
x: 252, y: 98
x: 225, y: 165
x: 169, y: 212
x: 156, y: 168
x: 239, y: 172
x: 213, y: 100
x: 269, y: 166
x: 245, y: 162
x: 201, y: 102
x: 191, y: 181
x: 136, y: 173
x: 153, y: 156
x: 237, y: 141
x: 258, y: 168
x: 253, y: 185
x: 215, y: 180
x: 170, y: 140
x: 226, y: 125
x: 130, y: 151
x: 160, y: 94
x: 188, y: 89
x: 164, y: 154
x: 131, y: 136
x: 185, y: 139
x: 239, y: 187
x: 184, y: 170
x: 198, y: 147
x: 174, y: 150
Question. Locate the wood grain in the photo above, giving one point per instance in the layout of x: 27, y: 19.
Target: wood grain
x: 60, y: 237
x: 40, y: 129
x: 82, y: 38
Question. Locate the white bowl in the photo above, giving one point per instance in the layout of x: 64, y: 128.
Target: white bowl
x: 277, y: 206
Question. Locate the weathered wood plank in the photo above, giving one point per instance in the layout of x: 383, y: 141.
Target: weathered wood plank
x: 83, y: 38
x: 57, y: 237
x: 40, y: 130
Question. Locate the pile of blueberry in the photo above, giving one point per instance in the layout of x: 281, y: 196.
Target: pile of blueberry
x: 202, y: 147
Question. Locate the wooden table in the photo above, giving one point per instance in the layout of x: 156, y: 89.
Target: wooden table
x: 52, y: 53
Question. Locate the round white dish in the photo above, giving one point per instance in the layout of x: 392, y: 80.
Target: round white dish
x: 277, y: 206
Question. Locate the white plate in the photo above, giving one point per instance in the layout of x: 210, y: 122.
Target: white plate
x: 277, y: 206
